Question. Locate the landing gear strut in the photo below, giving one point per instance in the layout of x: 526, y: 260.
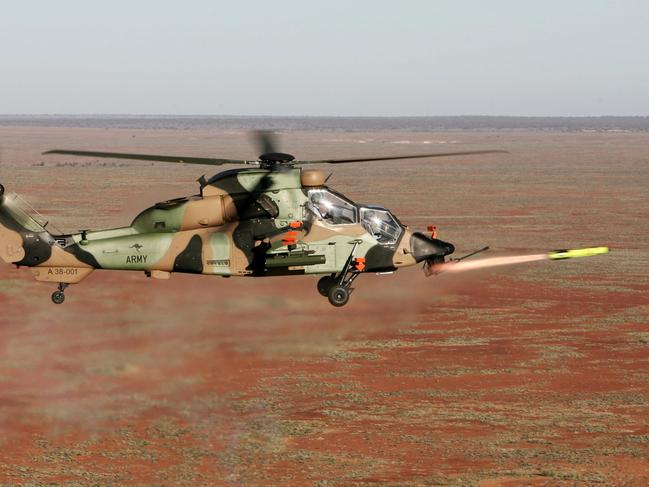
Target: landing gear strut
x: 338, y: 288
x: 59, y: 296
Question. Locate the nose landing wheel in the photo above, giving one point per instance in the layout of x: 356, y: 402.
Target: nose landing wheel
x: 59, y: 296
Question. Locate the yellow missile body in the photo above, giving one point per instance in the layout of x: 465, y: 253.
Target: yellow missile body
x: 574, y: 253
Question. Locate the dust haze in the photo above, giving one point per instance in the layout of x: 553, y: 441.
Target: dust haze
x: 529, y: 373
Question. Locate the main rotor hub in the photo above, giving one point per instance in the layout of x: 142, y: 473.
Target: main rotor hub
x: 276, y: 157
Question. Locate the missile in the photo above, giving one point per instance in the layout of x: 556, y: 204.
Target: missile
x: 574, y: 253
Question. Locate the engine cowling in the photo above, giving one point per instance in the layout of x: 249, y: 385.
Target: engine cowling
x: 204, y: 212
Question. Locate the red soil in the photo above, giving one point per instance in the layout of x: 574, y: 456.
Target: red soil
x: 533, y: 375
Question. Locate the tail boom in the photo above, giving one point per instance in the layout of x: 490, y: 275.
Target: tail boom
x: 25, y: 242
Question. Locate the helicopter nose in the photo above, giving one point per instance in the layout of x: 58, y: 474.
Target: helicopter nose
x: 423, y: 247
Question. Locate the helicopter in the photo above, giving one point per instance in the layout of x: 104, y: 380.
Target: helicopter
x: 274, y: 219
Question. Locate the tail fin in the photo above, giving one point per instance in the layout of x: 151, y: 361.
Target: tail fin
x: 23, y: 240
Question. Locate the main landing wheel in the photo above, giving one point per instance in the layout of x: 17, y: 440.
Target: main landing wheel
x: 58, y: 297
x: 338, y: 295
x: 325, y: 284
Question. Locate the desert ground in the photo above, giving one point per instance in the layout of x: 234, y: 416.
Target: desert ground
x: 530, y: 375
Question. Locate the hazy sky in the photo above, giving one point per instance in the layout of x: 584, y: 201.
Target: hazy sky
x: 353, y: 57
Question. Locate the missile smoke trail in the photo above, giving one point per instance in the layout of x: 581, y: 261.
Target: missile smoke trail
x: 471, y: 265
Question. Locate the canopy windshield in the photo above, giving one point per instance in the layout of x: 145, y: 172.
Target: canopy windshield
x: 332, y: 208
x: 380, y: 223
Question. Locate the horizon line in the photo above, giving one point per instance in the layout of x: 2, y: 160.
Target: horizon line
x: 215, y: 115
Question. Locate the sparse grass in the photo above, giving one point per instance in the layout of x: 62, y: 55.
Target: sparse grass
x: 532, y: 374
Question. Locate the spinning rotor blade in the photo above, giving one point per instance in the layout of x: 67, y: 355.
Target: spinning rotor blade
x: 150, y: 157
x: 266, y: 141
x: 269, y: 158
x: 416, y: 156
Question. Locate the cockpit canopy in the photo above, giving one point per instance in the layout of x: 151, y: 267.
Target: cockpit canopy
x: 335, y: 209
x: 332, y: 208
x: 380, y: 223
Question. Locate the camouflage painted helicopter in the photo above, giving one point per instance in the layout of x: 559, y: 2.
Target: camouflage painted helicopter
x: 273, y: 219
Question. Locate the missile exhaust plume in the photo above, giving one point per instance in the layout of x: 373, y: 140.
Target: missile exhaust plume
x: 472, y: 265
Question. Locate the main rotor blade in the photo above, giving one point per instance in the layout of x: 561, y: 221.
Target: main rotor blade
x: 415, y: 156
x: 266, y: 141
x: 150, y: 157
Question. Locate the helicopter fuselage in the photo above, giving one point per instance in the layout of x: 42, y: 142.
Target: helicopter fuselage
x: 244, y: 222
